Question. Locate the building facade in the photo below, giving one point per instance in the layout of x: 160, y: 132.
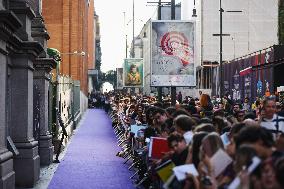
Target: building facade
x: 25, y: 139
x: 94, y: 70
x: 253, y: 27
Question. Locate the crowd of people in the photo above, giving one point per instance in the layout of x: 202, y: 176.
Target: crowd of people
x: 197, y: 129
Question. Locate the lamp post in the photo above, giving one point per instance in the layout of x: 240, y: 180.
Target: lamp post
x: 234, y: 41
x: 126, y: 41
x: 82, y: 53
x: 221, y: 51
x: 125, y: 36
x: 194, y: 10
x: 173, y: 89
x: 221, y: 10
x: 133, y: 51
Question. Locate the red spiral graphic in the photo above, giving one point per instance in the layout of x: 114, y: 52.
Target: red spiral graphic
x: 176, y: 44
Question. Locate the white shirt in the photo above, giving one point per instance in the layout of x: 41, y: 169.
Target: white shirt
x: 188, y: 137
x: 271, y: 124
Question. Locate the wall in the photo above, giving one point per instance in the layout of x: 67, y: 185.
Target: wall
x: 71, y: 27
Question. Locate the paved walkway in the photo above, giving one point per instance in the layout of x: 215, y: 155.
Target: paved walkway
x: 90, y: 161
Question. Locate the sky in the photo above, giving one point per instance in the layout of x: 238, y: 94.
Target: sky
x: 114, y: 29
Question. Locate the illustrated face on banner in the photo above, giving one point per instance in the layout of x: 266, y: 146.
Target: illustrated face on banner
x: 226, y: 86
x: 172, y: 53
x: 247, y: 86
x: 133, y: 72
x: 176, y: 44
x: 236, y: 86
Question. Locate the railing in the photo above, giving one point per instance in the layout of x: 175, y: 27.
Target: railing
x: 65, y: 95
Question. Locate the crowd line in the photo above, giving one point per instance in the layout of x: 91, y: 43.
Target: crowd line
x: 212, y: 143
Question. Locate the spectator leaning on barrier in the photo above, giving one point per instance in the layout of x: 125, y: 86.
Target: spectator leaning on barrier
x: 183, y: 125
x: 241, y: 137
x: 160, y: 116
x: 178, y: 145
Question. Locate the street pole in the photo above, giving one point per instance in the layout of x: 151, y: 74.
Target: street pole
x: 221, y: 52
x: 221, y: 76
x: 173, y: 11
x: 159, y: 10
x: 125, y: 35
x: 173, y: 89
x: 133, y: 51
x: 159, y: 18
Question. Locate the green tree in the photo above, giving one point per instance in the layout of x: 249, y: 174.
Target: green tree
x: 110, y: 76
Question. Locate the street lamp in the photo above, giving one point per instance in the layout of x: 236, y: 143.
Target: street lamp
x: 234, y: 41
x: 82, y: 53
x: 221, y: 10
x: 133, y: 40
x: 194, y: 10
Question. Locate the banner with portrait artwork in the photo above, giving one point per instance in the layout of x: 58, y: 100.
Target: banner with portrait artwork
x: 119, y: 78
x: 248, y: 77
x: 133, y: 72
x: 172, y: 53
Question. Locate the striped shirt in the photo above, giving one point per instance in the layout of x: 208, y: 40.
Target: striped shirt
x: 274, y: 125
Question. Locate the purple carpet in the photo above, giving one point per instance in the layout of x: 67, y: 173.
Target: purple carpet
x: 90, y: 161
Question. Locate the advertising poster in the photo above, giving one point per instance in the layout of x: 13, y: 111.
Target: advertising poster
x: 236, y: 89
x: 247, y: 80
x: 172, y: 57
x: 119, y: 79
x: 227, y: 77
x: 133, y: 72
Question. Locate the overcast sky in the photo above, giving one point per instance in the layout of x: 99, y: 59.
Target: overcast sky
x: 112, y: 27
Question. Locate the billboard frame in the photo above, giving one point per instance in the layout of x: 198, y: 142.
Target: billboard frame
x: 125, y: 71
x: 194, y: 53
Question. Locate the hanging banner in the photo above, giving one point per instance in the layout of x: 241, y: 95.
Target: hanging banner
x: 247, y: 78
x: 172, y: 57
x: 133, y: 72
x: 119, y: 78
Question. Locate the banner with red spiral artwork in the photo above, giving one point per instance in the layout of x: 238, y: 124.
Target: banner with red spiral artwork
x: 172, y: 53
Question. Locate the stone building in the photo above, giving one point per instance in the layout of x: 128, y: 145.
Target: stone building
x: 25, y: 142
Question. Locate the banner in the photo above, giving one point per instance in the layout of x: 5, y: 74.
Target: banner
x: 248, y: 77
x: 133, y: 72
x: 172, y: 57
x: 119, y: 78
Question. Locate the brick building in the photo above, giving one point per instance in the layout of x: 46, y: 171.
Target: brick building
x: 71, y: 27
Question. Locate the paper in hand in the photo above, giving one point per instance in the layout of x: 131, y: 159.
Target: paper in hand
x: 180, y: 171
x: 220, y: 160
x: 237, y: 181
